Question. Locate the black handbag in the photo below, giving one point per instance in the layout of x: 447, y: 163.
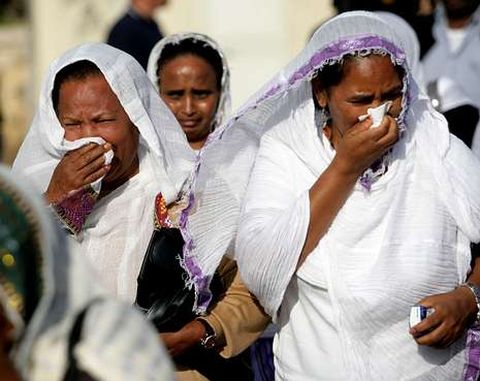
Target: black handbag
x: 168, y: 304
x: 161, y: 291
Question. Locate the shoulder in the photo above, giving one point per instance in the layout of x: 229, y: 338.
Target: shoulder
x: 123, y: 25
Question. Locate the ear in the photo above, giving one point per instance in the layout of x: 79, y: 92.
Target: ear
x: 319, y: 93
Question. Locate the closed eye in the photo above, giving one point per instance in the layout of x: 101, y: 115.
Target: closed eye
x: 175, y: 94
x: 392, y: 95
x: 71, y: 124
x: 361, y: 99
x: 201, y: 94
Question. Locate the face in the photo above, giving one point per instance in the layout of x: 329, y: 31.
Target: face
x: 460, y: 8
x: 188, y: 85
x: 88, y: 107
x: 367, y: 82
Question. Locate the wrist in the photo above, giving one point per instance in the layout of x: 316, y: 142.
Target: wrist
x: 208, y: 340
x: 473, y: 291
x: 197, y: 330
x: 343, y: 169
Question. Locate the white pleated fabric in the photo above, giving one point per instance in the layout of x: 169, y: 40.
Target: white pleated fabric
x: 116, y: 234
x: 152, y: 68
x: 406, y: 238
x: 117, y: 342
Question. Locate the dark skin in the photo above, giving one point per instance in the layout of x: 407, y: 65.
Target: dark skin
x: 179, y: 342
x: 369, y: 82
x: 7, y: 370
x: 87, y: 108
x: 459, y: 12
x: 188, y: 86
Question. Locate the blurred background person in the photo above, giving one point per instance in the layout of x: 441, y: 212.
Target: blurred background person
x: 56, y: 323
x: 452, y: 66
x: 456, y: 52
x: 137, y: 31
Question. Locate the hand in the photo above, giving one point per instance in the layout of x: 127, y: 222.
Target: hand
x: 361, y: 145
x: 181, y: 341
x: 77, y: 169
x: 454, y: 311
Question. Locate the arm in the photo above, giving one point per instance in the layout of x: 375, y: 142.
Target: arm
x: 355, y: 152
x: 237, y: 319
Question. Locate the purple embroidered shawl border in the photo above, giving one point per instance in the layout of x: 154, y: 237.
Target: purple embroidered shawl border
x: 472, y: 354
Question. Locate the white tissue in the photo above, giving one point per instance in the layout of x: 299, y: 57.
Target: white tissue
x: 68, y: 145
x: 376, y: 114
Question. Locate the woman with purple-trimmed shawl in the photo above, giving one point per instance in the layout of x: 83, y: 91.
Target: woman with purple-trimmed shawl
x: 350, y: 203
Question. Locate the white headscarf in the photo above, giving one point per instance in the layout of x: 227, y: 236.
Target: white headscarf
x: 42, y: 148
x: 174, y: 39
x: 116, y: 343
x: 116, y: 233
x: 372, y: 288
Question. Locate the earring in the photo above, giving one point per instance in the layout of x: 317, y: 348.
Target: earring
x: 325, y: 117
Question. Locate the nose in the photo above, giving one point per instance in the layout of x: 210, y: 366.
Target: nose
x: 88, y: 129
x: 375, y: 103
x: 189, y: 106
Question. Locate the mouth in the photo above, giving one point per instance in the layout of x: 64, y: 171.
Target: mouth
x: 189, y: 123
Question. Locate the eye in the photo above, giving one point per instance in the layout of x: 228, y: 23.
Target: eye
x: 361, y: 100
x: 202, y: 94
x: 174, y: 94
x: 71, y: 124
x: 393, y: 94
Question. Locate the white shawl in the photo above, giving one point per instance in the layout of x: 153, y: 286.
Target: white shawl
x: 116, y: 234
x: 388, y: 248
x: 117, y: 343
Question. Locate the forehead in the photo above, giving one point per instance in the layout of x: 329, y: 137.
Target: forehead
x: 93, y: 90
x: 188, y: 65
x: 371, y: 70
